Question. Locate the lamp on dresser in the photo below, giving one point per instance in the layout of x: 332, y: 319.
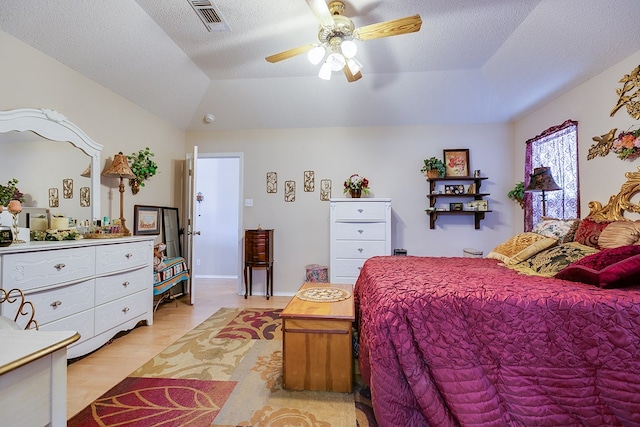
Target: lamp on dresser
x: 542, y: 180
x: 120, y: 168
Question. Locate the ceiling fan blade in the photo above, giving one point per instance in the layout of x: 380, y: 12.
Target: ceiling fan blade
x: 321, y: 10
x: 351, y: 77
x: 290, y: 53
x: 409, y: 24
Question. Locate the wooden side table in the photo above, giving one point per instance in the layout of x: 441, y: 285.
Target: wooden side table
x: 317, y: 343
x: 258, y: 253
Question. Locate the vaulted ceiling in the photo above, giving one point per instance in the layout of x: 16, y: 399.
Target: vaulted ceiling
x: 473, y: 61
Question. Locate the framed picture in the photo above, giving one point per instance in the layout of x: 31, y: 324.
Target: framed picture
x: 456, y: 162
x: 455, y: 206
x: 146, y: 220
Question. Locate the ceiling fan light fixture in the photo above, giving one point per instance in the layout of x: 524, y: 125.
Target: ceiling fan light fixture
x: 325, y: 71
x: 349, y: 49
x: 316, y: 54
x: 336, y: 61
x: 354, y: 65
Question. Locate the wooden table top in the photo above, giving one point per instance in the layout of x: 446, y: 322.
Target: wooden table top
x: 297, y: 308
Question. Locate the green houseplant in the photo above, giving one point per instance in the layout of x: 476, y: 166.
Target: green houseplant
x: 143, y: 167
x: 433, y: 164
x: 517, y: 193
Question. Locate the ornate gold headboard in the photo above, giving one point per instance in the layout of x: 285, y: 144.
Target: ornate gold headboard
x: 620, y: 203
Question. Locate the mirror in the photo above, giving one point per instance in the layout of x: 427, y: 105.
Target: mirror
x: 51, y: 126
x: 171, y: 232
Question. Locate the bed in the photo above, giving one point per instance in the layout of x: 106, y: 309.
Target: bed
x: 500, y: 342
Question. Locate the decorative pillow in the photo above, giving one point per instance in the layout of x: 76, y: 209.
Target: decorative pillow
x: 571, y: 233
x: 158, y: 256
x: 520, y: 247
x: 608, y: 268
x: 550, y: 261
x: 589, y: 231
x: 553, y: 227
x: 619, y: 233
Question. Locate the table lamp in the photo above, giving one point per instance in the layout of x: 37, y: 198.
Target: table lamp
x: 120, y: 168
x: 542, y: 180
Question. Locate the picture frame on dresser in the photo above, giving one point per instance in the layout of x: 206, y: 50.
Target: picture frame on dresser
x: 146, y: 220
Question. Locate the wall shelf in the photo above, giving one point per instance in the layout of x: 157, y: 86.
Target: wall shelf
x: 433, y: 196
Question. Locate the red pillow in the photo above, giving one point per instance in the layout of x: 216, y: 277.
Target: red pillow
x: 588, y: 232
x: 608, y: 268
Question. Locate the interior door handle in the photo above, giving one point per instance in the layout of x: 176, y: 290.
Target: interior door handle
x: 196, y: 233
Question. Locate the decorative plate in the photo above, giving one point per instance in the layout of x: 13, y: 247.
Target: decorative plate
x: 324, y: 294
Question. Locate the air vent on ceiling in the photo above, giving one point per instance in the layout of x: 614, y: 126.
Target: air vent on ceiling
x: 210, y: 15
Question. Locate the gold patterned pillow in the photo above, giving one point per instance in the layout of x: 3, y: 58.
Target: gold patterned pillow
x: 520, y: 247
x: 550, y: 261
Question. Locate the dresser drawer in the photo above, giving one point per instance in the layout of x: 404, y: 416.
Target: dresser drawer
x: 114, y: 313
x: 54, y: 304
x: 81, y: 323
x: 359, y: 249
x: 347, y: 268
x: 360, y: 211
x: 360, y: 230
x: 110, y: 288
x: 35, y: 270
x: 112, y: 258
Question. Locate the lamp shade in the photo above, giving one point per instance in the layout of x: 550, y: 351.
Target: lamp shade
x: 542, y: 180
x: 119, y: 167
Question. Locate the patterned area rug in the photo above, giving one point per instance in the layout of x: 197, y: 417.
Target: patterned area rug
x: 225, y: 372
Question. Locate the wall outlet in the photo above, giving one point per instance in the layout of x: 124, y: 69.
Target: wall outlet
x: 198, y: 261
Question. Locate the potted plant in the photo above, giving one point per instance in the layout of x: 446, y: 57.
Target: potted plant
x: 433, y: 167
x: 517, y: 193
x: 355, y: 185
x: 10, y: 192
x: 143, y: 167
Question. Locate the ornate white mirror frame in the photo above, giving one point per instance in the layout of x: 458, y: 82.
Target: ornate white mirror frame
x: 53, y: 126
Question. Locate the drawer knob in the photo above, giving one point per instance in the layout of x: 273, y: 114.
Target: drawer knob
x: 360, y: 210
x: 360, y: 250
x: 125, y: 310
x: 56, y: 304
x: 59, y: 266
x: 128, y: 256
x: 360, y: 231
x: 125, y: 284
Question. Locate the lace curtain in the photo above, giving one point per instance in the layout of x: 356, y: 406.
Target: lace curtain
x: 557, y: 148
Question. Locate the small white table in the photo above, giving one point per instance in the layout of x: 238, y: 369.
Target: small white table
x: 33, y: 377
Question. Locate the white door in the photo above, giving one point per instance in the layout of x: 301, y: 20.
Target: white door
x: 191, y: 226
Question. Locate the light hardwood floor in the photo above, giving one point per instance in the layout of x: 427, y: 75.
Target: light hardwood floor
x: 91, y: 376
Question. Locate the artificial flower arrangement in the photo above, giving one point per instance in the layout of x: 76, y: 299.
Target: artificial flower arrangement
x: 56, y: 235
x: 10, y: 192
x: 627, y: 145
x: 356, y: 182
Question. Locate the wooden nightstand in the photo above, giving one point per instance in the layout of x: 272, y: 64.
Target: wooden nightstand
x: 317, y: 343
x: 258, y: 253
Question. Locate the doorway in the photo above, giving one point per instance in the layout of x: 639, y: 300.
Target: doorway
x: 218, y: 217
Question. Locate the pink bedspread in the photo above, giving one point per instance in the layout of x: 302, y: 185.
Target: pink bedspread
x: 464, y: 341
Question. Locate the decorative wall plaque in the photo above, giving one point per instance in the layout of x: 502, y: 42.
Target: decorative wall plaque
x: 289, y: 191
x: 272, y: 182
x: 54, y: 201
x: 325, y: 190
x: 309, y: 181
x: 85, y: 197
x: 67, y: 188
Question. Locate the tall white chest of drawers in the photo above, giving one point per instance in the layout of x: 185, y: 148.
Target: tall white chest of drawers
x: 95, y: 287
x: 359, y: 229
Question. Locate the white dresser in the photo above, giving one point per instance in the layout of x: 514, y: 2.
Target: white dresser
x: 359, y: 229
x: 96, y: 287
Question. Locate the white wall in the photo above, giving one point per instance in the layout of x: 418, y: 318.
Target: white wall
x: 31, y: 79
x: 590, y: 104
x: 391, y: 158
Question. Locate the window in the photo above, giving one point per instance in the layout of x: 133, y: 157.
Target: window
x: 556, y: 148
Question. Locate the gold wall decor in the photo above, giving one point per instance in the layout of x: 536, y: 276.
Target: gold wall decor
x: 85, y: 197
x: 628, y: 97
x: 289, y: 191
x: 67, y: 188
x: 309, y: 181
x: 272, y: 182
x: 54, y: 201
x: 325, y: 190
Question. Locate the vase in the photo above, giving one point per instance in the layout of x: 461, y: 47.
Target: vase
x: 355, y: 193
x: 135, y: 185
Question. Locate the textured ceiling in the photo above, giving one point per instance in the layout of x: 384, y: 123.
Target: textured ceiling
x: 473, y: 61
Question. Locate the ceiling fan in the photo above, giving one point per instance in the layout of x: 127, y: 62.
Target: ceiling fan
x: 337, y: 34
